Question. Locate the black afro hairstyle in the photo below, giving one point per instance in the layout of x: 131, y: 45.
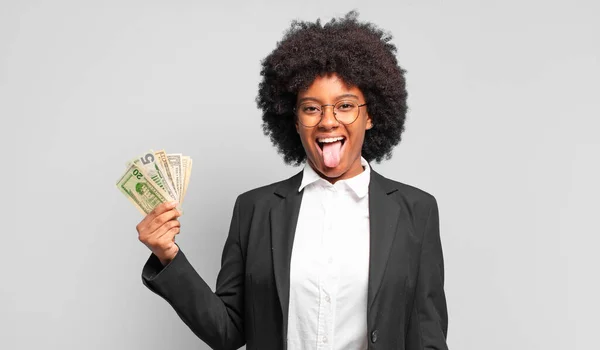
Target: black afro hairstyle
x: 358, y: 52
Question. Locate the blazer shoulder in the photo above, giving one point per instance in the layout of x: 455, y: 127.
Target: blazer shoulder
x: 416, y: 200
x: 267, y: 192
x: 406, y: 190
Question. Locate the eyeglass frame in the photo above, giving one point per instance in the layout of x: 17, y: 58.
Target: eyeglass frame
x: 322, y: 107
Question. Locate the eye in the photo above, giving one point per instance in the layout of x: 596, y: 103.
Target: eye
x: 309, y: 109
x: 346, y: 106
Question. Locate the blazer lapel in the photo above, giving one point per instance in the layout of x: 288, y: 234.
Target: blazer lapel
x: 383, y: 213
x: 383, y: 216
x: 283, y: 219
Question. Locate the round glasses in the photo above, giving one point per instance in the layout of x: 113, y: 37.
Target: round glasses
x: 309, y: 114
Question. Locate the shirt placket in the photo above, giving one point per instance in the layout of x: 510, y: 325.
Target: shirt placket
x: 329, y: 278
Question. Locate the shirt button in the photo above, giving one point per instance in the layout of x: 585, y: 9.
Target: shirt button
x: 330, y: 259
x: 374, y: 336
x: 324, y: 339
x: 328, y: 298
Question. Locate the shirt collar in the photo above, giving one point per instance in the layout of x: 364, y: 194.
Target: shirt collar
x: 359, y: 184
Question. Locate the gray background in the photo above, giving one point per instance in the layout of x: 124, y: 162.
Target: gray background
x: 503, y: 130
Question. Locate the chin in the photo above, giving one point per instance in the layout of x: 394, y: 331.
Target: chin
x: 332, y: 173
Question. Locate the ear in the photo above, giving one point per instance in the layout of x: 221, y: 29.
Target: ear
x: 369, y: 123
x: 297, y: 127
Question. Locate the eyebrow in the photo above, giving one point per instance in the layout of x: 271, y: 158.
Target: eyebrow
x: 303, y: 99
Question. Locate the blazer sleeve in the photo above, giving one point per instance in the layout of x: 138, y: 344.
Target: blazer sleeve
x: 428, y: 325
x: 216, y: 318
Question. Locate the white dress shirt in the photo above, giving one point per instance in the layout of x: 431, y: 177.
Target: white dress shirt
x: 329, y: 268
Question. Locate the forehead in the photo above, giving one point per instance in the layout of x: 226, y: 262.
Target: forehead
x: 329, y: 87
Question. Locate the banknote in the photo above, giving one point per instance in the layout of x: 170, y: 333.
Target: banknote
x: 188, y: 174
x: 161, y: 157
x: 184, y: 170
x: 152, y: 169
x: 141, y: 191
x: 175, y: 162
x: 156, y: 177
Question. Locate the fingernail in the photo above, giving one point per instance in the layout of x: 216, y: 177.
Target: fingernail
x: 173, y: 204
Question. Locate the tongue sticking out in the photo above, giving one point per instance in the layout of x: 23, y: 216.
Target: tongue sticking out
x: 331, y: 153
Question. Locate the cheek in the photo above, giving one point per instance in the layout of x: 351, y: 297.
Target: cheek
x: 304, y: 138
x: 357, y: 135
x: 358, y: 142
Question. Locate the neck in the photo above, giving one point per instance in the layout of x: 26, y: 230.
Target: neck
x: 355, y: 169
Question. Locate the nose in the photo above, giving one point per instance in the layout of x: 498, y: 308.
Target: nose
x: 328, y: 120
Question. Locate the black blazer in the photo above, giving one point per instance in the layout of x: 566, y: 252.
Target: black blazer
x: 406, y: 302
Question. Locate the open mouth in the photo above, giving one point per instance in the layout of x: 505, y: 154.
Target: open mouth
x: 321, y: 142
x: 331, y: 150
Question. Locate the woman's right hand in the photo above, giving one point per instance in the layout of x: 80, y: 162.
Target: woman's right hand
x: 158, y: 229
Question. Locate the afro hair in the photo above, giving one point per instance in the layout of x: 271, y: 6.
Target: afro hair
x: 361, y: 54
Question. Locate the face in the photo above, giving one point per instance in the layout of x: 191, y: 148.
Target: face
x: 335, y: 160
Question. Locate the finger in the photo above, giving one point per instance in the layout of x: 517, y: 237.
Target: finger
x: 166, y: 242
x: 170, y: 234
x: 162, y: 219
x: 158, y: 210
x: 149, y: 237
x: 168, y: 238
x: 157, y: 239
x: 161, y: 231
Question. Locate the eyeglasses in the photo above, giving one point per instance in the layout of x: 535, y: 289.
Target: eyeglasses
x: 309, y: 114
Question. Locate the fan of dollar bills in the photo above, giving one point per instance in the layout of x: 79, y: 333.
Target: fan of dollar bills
x: 154, y: 178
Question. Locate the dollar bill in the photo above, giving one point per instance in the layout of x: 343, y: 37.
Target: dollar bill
x: 189, y: 175
x: 161, y: 157
x: 184, y: 167
x: 187, y: 169
x: 152, y: 170
x: 175, y: 162
x: 140, y: 190
x: 154, y: 178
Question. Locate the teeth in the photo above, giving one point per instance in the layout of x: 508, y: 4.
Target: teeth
x: 330, y: 139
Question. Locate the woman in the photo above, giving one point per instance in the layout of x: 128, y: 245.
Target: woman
x: 337, y: 256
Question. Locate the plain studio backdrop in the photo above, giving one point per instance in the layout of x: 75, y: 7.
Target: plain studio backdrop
x: 503, y: 130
